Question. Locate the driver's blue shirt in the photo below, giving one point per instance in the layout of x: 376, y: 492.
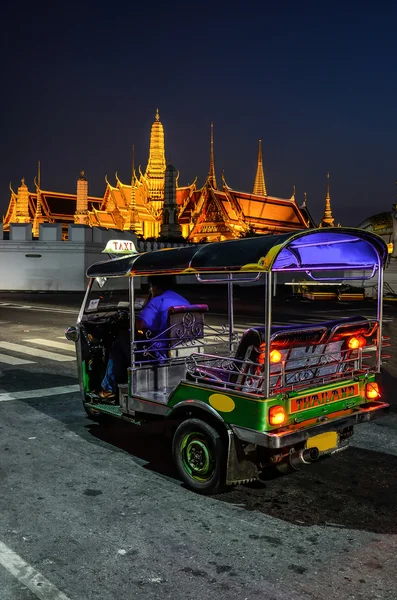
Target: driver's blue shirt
x: 155, y: 313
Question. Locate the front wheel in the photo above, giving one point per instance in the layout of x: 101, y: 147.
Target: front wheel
x: 200, y: 456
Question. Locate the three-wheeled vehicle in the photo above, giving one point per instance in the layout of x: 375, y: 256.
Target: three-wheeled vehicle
x: 277, y: 396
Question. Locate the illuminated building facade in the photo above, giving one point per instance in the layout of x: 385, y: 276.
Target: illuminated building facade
x: 201, y: 214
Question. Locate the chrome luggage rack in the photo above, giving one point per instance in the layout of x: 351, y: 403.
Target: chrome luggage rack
x: 300, y: 367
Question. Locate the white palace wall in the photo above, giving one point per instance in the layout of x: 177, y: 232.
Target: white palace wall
x: 50, y: 264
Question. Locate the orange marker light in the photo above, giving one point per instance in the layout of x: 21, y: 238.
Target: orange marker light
x: 356, y: 342
x: 275, y: 356
x: 277, y: 415
x: 372, y: 391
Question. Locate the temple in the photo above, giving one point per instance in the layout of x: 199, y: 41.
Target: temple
x: 146, y: 208
x: 327, y: 219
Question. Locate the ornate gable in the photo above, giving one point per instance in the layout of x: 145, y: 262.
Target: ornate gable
x: 213, y: 221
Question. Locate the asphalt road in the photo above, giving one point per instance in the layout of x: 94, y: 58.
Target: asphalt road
x: 89, y: 511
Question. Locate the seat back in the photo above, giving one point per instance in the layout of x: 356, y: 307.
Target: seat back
x: 249, y: 355
x: 185, y: 328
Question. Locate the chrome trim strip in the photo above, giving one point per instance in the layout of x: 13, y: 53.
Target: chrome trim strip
x: 147, y: 406
x: 276, y: 441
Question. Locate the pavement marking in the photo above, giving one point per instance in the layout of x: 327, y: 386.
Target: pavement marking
x: 29, y: 576
x: 52, y: 344
x: 12, y: 360
x: 54, y: 391
x: 41, y: 308
x: 35, y: 352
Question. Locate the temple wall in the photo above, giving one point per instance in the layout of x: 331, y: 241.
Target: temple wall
x: 52, y: 265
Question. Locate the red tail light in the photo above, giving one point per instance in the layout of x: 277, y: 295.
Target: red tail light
x: 356, y: 342
x: 277, y: 415
x: 372, y: 391
x: 275, y: 356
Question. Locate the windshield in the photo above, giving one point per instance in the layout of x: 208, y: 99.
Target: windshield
x: 108, y: 294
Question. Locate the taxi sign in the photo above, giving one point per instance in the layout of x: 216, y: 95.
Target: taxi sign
x: 120, y: 247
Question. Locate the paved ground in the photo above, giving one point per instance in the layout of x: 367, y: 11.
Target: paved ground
x: 96, y: 512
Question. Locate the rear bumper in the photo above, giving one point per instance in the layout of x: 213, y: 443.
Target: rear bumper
x: 274, y: 440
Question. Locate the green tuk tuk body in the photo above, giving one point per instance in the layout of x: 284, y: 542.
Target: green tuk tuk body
x: 233, y: 407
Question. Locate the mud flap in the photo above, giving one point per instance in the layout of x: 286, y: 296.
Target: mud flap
x: 239, y: 468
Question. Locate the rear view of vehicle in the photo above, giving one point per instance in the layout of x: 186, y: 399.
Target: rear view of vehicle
x: 322, y: 383
x: 278, y: 395
x: 301, y: 399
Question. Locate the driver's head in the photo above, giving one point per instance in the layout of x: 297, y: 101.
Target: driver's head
x: 158, y: 284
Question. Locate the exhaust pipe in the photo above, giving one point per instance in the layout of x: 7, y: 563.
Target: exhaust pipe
x: 303, y: 457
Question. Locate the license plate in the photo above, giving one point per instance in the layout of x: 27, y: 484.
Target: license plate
x: 324, y: 441
x: 321, y: 398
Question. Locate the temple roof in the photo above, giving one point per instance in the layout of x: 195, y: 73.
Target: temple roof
x: 242, y: 210
x: 56, y: 206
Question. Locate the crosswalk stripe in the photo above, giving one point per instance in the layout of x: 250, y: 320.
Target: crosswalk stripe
x: 43, y: 393
x: 35, y: 352
x: 62, y: 337
x: 52, y: 344
x: 12, y: 360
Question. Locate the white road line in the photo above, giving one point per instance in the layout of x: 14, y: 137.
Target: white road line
x: 35, y: 352
x: 12, y: 360
x: 52, y: 344
x: 29, y: 576
x: 41, y: 308
x: 54, y: 391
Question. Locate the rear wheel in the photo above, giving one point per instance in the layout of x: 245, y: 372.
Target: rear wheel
x: 200, y: 455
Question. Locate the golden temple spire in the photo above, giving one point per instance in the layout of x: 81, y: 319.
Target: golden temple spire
x: 133, y: 174
x: 211, y: 179
x: 260, y: 184
x: 156, y: 166
x: 22, y: 209
x: 328, y: 219
x: 38, y: 216
x: 81, y: 216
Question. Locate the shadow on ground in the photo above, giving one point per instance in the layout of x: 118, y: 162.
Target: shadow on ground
x: 354, y: 490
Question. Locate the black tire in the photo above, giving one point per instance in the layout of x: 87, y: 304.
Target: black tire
x: 200, y: 454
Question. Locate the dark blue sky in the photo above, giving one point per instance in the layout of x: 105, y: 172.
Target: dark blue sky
x: 315, y: 81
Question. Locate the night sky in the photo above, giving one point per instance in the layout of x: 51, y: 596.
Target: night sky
x: 315, y: 81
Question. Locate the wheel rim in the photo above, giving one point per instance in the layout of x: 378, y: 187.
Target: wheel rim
x: 197, y: 457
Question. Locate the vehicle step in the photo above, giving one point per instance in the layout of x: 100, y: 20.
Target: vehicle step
x: 114, y: 411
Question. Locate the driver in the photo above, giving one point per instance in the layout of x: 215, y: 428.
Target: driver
x: 152, y: 318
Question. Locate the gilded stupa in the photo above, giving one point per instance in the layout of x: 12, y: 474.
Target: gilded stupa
x: 327, y: 218
x: 201, y: 214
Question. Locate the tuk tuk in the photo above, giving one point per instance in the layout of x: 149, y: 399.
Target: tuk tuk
x: 276, y: 396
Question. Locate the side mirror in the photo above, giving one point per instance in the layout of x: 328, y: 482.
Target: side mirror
x: 72, y: 334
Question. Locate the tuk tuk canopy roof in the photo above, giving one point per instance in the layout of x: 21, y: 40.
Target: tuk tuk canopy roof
x: 308, y: 250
